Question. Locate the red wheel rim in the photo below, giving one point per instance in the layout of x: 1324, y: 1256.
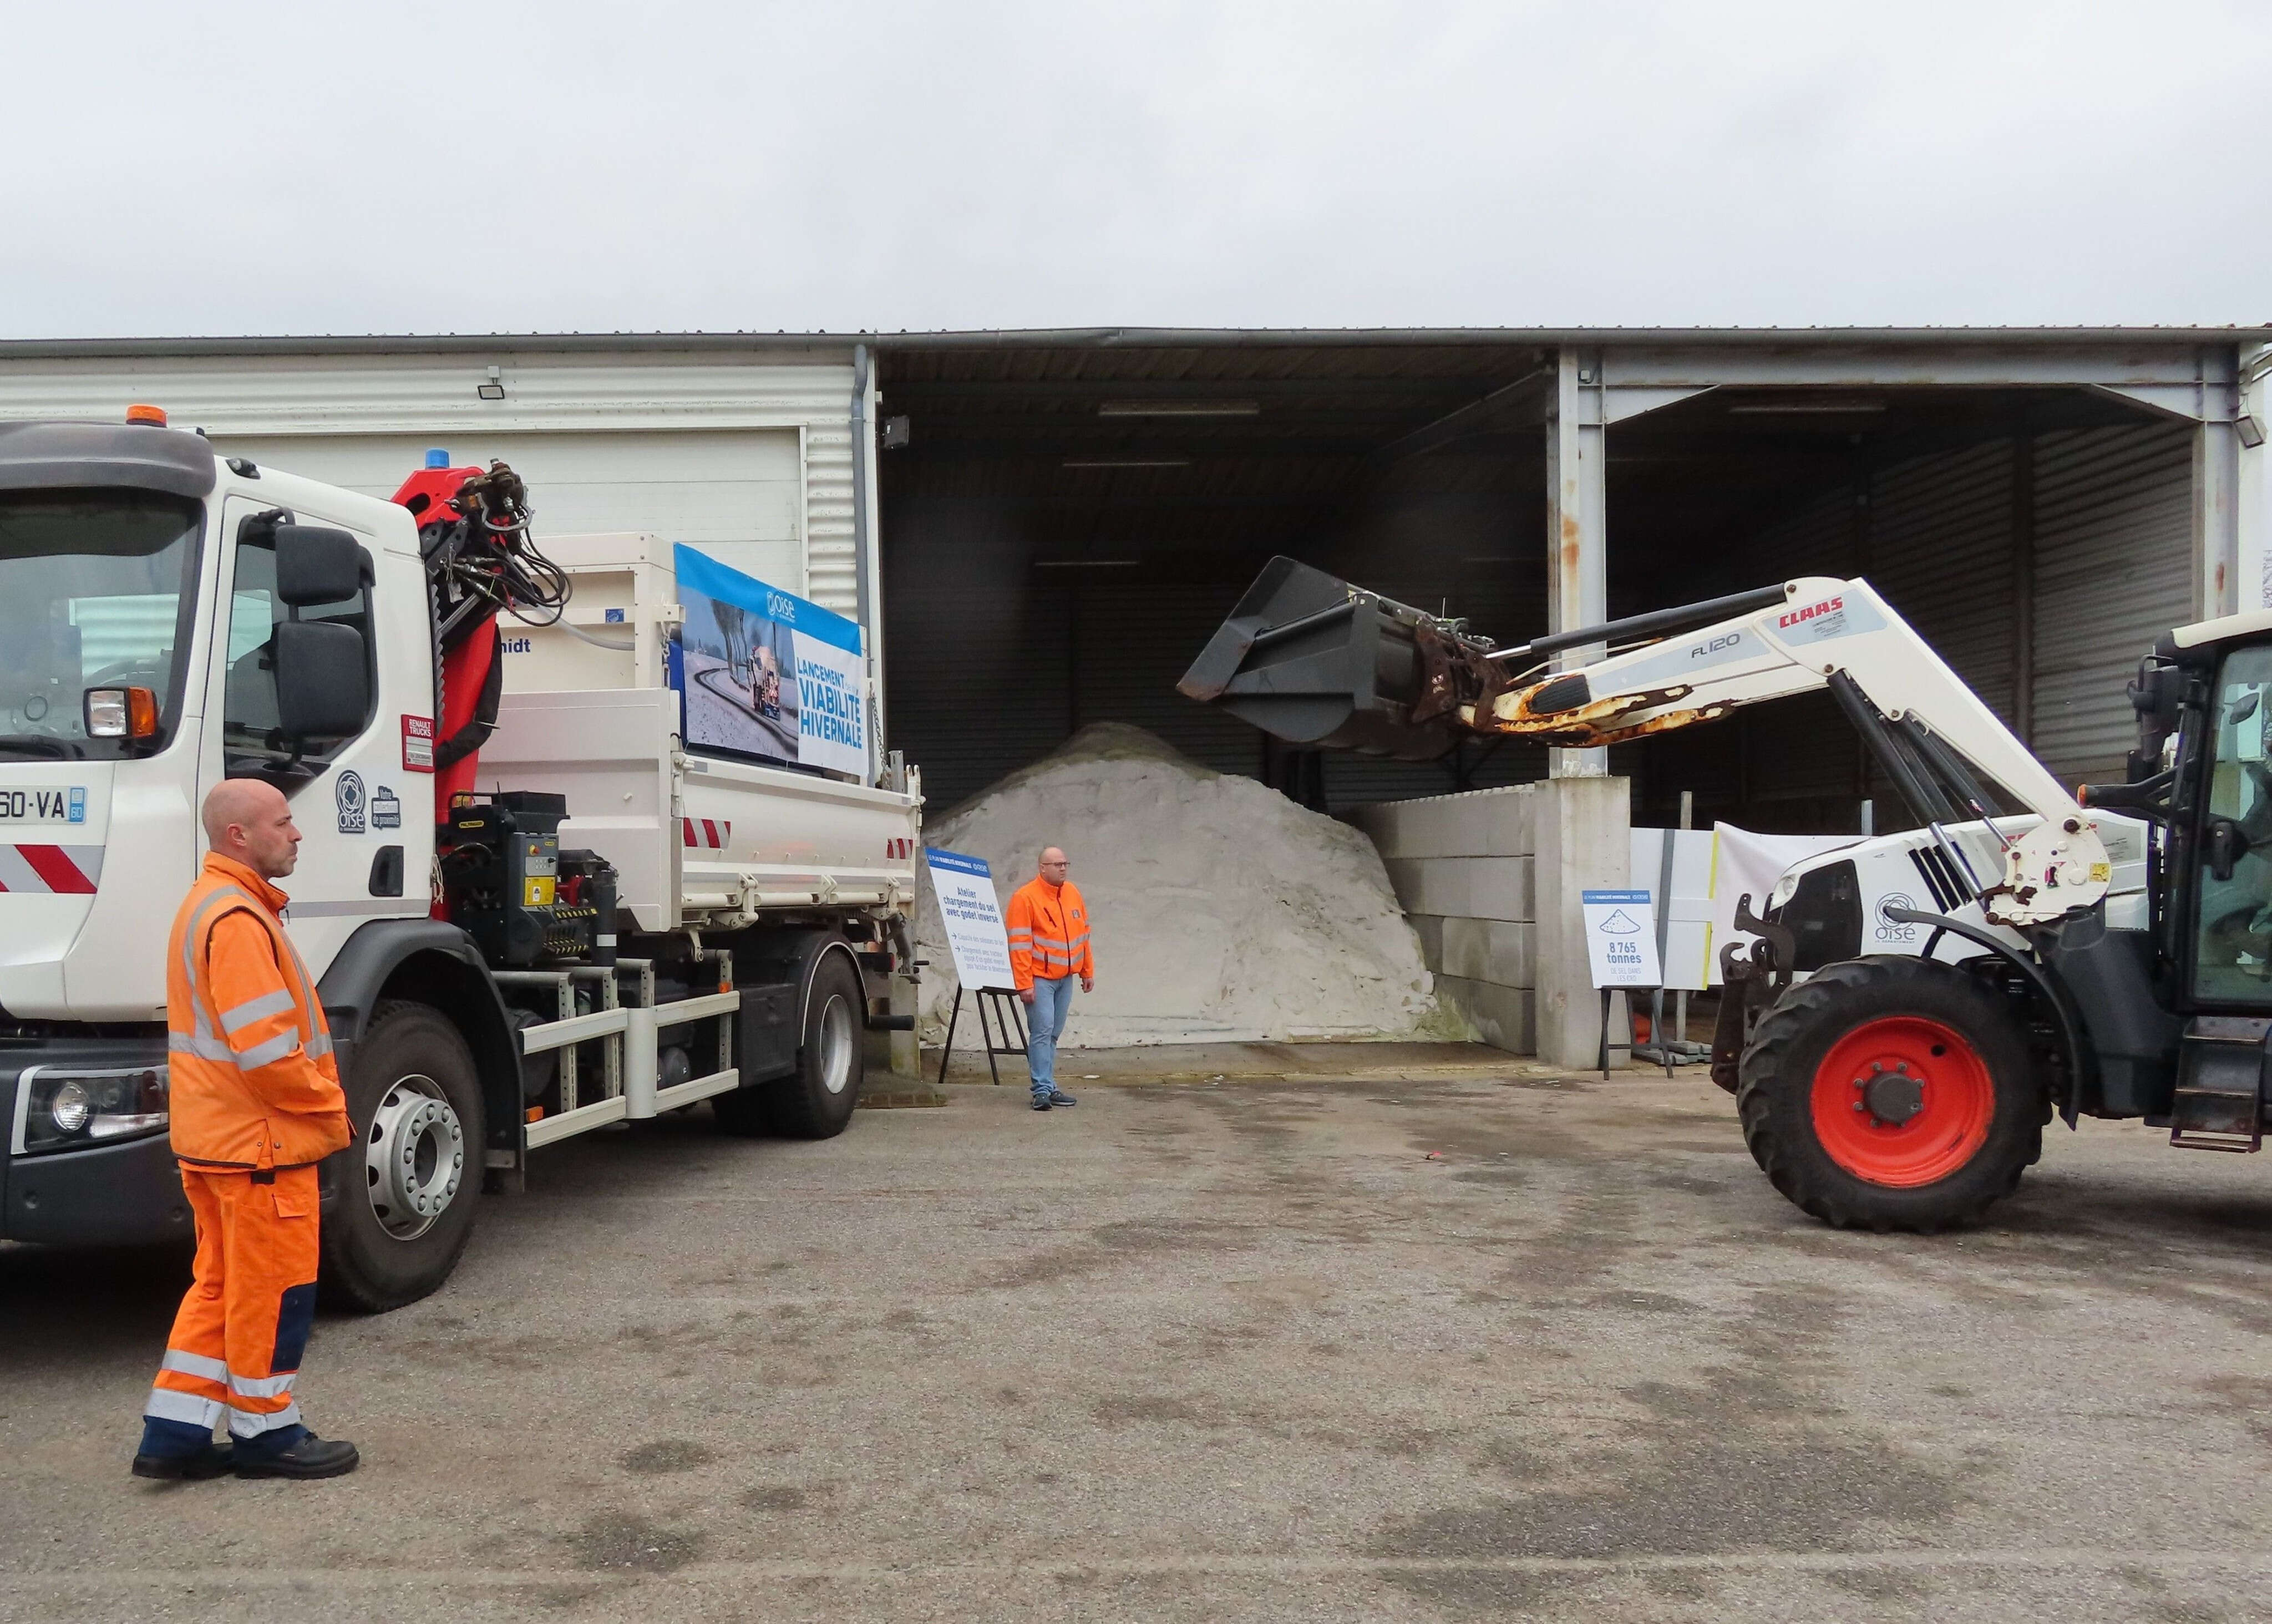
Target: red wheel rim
x: 1902, y: 1102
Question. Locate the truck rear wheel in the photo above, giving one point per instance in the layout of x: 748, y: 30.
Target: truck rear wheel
x: 816, y: 1100
x: 407, y: 1185
x: 1891, y: 1094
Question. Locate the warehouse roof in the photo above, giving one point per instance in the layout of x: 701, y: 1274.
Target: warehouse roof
x: 1129, y: 338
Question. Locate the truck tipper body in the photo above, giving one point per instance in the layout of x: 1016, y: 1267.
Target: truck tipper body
x: 603, y: 927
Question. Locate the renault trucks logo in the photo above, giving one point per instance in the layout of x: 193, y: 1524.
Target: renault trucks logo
x: 1813, y: 612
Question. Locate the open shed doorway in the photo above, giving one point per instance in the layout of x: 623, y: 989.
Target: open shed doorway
x: 1068, y: 518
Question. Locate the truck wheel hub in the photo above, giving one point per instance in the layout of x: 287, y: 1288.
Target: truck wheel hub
x: 1892, y: 1096
x: 413, y: 1157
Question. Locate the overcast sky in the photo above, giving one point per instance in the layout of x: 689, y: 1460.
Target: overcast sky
x: 210, y: 168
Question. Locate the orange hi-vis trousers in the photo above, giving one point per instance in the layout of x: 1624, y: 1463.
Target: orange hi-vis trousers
x: 237, y: 1339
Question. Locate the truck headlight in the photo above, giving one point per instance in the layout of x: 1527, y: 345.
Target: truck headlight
x: 71, y: 1109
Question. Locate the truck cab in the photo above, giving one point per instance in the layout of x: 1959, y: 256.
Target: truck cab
x: 140, y: 664
x: 170, y: 618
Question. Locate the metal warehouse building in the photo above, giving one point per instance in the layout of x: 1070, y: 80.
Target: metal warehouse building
x: 1040, y: 529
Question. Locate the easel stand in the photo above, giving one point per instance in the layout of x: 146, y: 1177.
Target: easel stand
x: 1667, y: 1052
x: 1009, y: 1015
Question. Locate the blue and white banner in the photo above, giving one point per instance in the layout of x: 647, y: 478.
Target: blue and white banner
x: 764, y: 673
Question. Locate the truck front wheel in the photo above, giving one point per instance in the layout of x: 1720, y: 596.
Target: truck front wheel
x: 1891, y: 1094
x: 406, y: 1186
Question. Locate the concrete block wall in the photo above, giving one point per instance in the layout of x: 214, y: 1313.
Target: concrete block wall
x: 1465, y: 871
x: 1491, y: 880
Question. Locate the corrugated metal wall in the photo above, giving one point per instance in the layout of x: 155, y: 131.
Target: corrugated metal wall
x: 2114, y: 570
x: 831, y: 556
x: 2091, y: 526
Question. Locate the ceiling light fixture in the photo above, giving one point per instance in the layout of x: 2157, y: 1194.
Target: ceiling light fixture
x: 1127, y: 462
x: 1086, y: 563
x: 1817, y: 408
x: 1179, y: 409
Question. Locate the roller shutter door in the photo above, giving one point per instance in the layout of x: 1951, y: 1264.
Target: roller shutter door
x: 740, y: 495
x: 2114, y: 570
x: 1942, y: 551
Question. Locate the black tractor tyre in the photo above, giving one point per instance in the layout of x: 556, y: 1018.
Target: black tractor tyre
x: 816, y: 1101
x: 380, y: 1250
x: 1777, y: 1098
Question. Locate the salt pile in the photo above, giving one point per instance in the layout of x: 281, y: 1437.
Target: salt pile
x: 1222, y: 911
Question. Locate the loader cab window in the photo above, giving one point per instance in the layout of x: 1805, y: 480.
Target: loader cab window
x: 2232, y: 951
x: 251, y: 737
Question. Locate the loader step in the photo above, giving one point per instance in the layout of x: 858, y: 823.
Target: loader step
x: 2219, y: 1102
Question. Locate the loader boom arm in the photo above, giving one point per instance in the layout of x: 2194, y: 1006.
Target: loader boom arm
x: 1324, y: 664
x: 1928, y: 729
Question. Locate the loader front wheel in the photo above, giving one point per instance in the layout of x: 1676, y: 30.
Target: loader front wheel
x: 1891, y: 1094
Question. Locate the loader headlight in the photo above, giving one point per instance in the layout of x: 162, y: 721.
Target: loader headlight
x: 69, y: 1109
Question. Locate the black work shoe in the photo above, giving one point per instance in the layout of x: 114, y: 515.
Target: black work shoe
x: 310, y: 1457
x: 1041, y: 1102
x: 212, y: 1462
x: 1057, y: 1097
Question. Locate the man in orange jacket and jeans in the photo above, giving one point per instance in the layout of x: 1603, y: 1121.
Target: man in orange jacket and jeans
x: 256, y: 1102
x: 1048, y: 945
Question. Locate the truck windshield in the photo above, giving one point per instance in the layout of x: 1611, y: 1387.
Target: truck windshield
x: 94, y: 586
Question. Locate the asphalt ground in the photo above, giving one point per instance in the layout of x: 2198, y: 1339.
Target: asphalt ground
x: 1202, y: 1351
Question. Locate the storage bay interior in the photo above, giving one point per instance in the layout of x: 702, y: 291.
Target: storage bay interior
x: 1066, y: 524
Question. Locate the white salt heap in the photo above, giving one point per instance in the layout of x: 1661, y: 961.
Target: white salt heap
x: 1221, y: 912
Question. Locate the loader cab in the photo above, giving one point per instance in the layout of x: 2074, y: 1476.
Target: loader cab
x: 2214, y: 681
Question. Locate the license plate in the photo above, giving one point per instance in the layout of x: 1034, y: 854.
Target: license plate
x: 67, y: 805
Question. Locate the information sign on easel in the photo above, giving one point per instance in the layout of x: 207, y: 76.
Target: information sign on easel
x: 972, y: 914
x: 1620, y: 948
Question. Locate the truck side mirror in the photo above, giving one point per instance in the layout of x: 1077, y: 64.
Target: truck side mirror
x: 316, y: 565
x: 322, y: 678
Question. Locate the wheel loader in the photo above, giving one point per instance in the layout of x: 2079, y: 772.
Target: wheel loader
x: 1911, y: 1011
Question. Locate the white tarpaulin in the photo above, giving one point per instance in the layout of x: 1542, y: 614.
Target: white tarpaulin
x: 1684, y: 905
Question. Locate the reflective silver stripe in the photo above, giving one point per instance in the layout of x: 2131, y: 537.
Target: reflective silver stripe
x: 319, y: 1045
x: 263, y: 1054
x: 194, y: 1365
x: 262, y: 1386
x: 167, y: 1405
x: 204, y: 1048
x: 252, y: 1423
x: 188, y: 961
x: 1050, y: 941
x: 277, y: 1003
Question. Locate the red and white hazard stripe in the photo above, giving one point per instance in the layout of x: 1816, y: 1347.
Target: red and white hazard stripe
x: 706, y: 833
x: 899, y: 847
x: 66, y: 870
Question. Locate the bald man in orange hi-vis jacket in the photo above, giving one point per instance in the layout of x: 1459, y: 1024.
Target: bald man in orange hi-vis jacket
x: 256, y: 1102
x: 1048, y: 945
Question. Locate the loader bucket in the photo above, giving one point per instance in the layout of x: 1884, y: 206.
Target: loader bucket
x: 1323, y: 664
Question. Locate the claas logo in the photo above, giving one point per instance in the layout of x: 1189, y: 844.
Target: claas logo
x: 1813, y: 612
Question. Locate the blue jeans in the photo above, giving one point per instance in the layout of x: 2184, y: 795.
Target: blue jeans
x: 1046, y: 1019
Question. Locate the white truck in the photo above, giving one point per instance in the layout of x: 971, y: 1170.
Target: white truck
x: 613, y: 927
